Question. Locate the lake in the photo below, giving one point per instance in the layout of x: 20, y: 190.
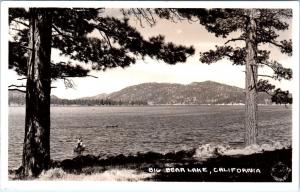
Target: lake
x: 128, y: 130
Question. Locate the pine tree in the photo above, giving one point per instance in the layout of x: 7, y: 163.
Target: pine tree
x: 38, y: 30
x: 256, y: 27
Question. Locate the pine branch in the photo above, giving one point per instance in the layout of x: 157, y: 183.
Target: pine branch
x: 69, y: 83
x: 285, y: 46
x: 92, y: 76
x: 276, y: 44
x: 64, y: 70
x: 138, y: 17
x: 20, y: 22
x: 261, y: 75
x: 106, y: 38
x: 180, y: 18
x: 152, y: 18
x: 61, y: 33
x: 144, y: 15
x: 70, y: 76
x: 15, y: 89
x: 279, y: 71
x: 235, y: 39
x: 15, y: 29
x: 266, y: 76
x: 16, y: 86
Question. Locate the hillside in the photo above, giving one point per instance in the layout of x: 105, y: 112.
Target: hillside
x: 207, y: 92
x: 18, y: 98
x: 99, y: 96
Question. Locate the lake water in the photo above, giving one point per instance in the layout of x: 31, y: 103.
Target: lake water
x: 125, y: 130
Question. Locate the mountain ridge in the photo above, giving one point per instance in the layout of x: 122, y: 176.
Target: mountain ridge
x: 206, y: 92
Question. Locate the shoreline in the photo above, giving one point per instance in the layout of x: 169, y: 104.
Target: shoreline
x: 181, y: 166
x: 155, y: 105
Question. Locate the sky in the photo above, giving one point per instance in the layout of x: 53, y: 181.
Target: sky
x: 149, y: 70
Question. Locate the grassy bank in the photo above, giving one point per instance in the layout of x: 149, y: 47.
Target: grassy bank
x: 265, y: 166
x: 268, y: 166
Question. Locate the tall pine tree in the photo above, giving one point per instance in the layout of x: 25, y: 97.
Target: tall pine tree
x: 38, y: 30
x: 255, y: 28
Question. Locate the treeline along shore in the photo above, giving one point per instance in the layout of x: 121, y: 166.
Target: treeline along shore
x: 82, y: 102
x: 92, y: 102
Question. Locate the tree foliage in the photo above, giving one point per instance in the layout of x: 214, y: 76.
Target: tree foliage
x: 88, y: 36
x: 282, y: 97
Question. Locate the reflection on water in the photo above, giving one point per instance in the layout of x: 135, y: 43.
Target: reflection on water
x: 116, y: 130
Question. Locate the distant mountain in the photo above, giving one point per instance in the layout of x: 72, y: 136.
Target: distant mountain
x: 18, y: 98
x: 99, y: 96
x: 207, y: 92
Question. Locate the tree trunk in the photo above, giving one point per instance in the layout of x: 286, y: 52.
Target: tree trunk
x: 36, y: 148
x: 251, y: 80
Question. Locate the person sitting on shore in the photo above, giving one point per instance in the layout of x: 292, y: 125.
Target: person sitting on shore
x: 80, y: 145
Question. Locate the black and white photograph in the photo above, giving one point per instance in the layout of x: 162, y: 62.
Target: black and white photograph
x: 156, y: 92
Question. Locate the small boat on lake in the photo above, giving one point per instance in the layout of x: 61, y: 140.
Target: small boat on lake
x: 111, y: 126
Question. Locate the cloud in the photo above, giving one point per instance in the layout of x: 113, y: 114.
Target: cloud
x: 179, y: 31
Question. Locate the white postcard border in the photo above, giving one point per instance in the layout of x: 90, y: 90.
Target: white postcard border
x: 145, y: 186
